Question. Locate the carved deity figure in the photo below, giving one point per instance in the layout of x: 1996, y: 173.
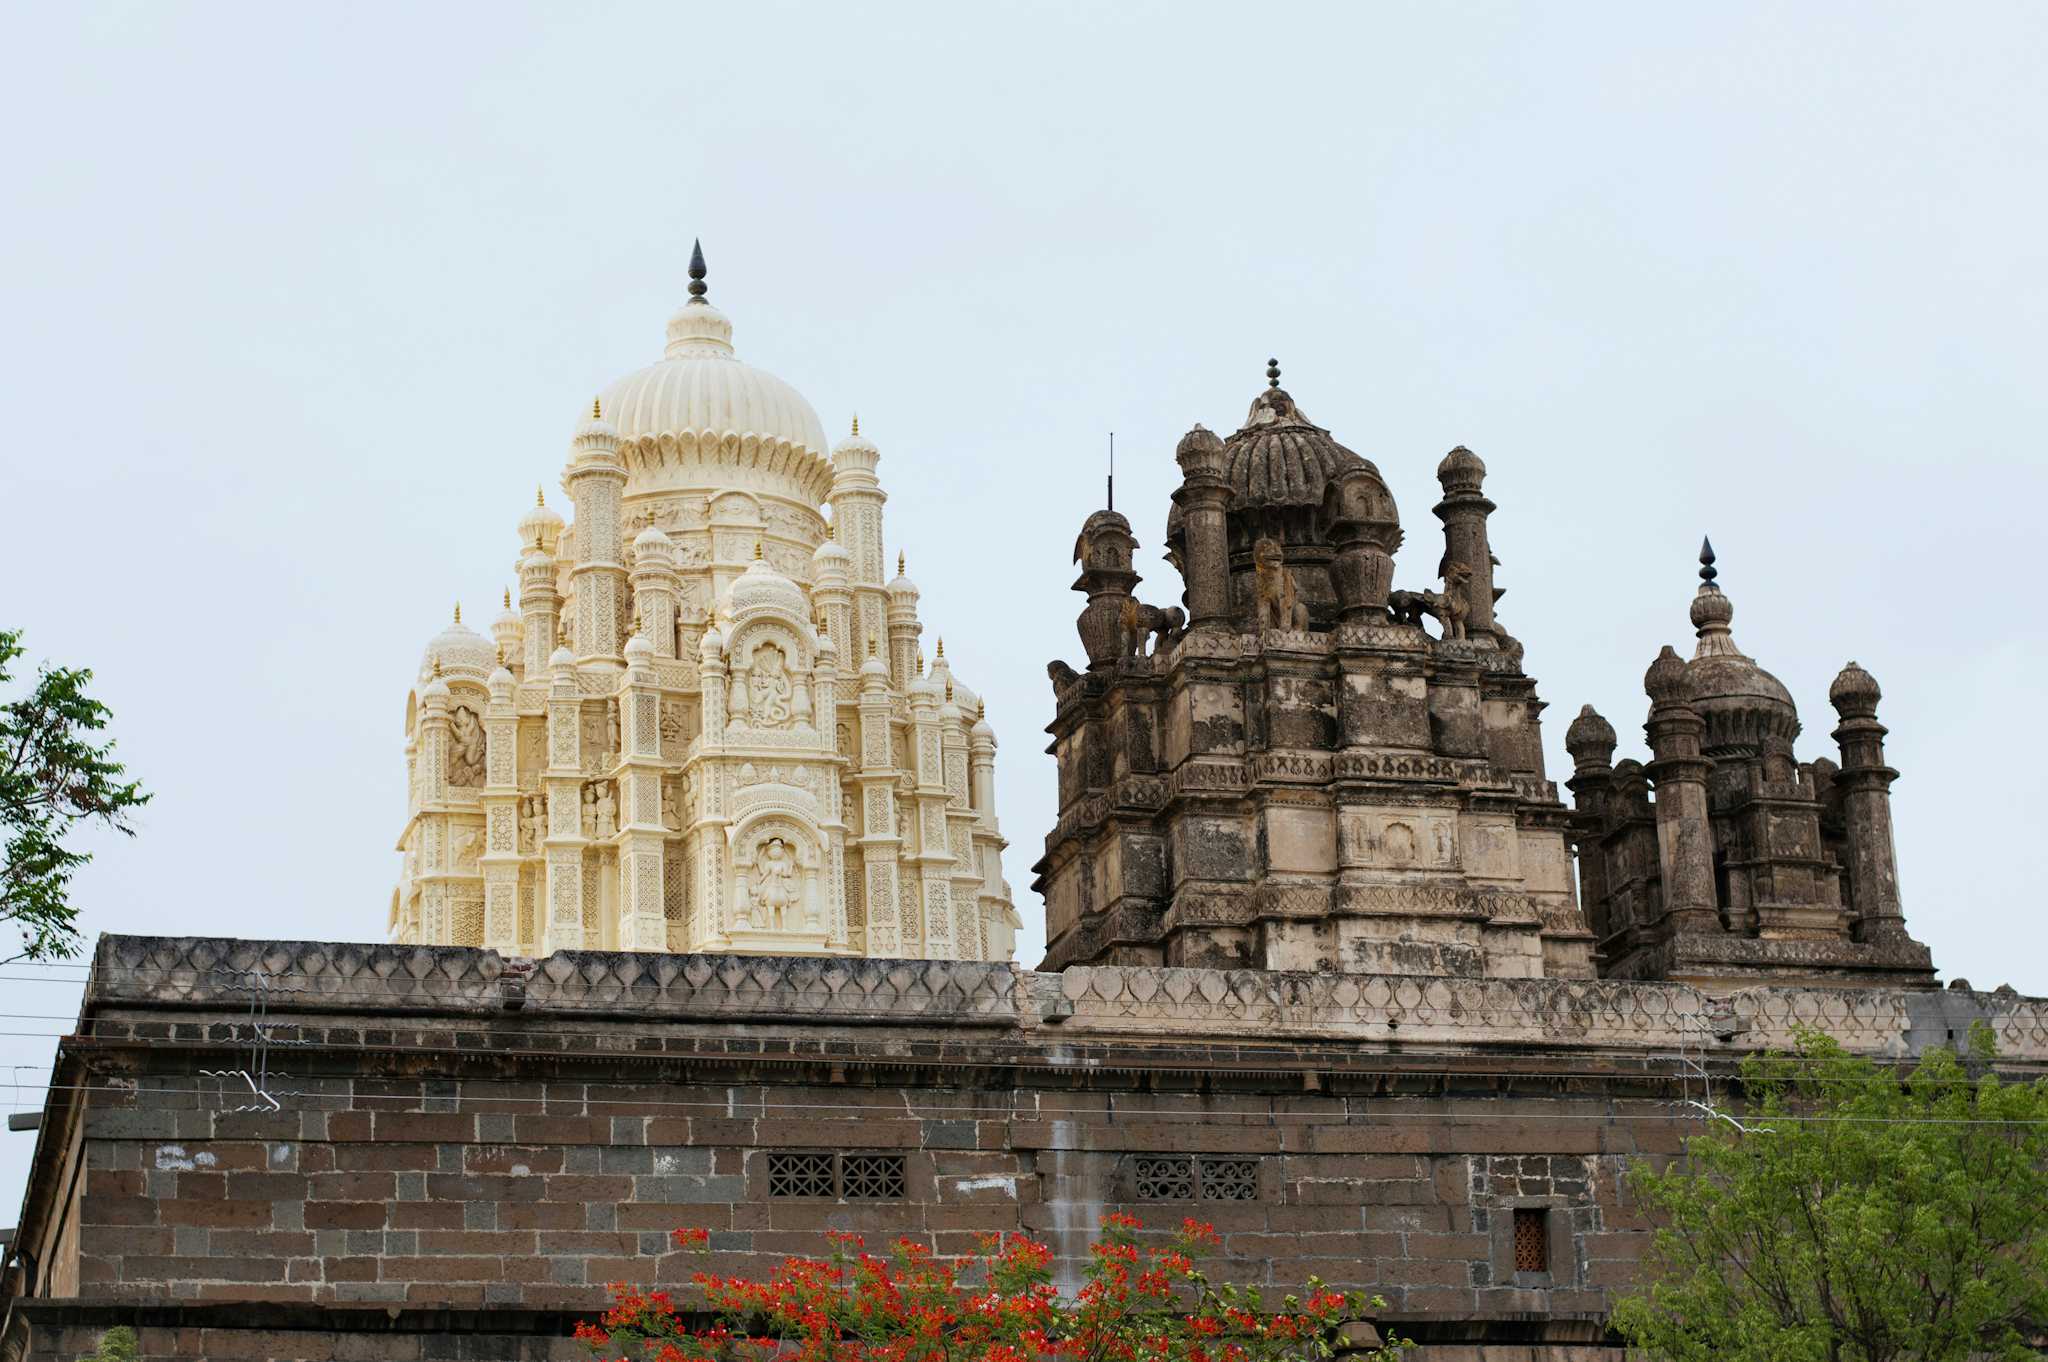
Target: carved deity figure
x: 669, y: 817
x: 775, y: 885
x: 1455, y: 604
x: 532, y: 823
x: 1279, y: 606
x: 611, y: 720
x: 468, y: 843
x: 465, y: 748
x: 590, y: 811
x: 769, y: 688
x: 607, y: 819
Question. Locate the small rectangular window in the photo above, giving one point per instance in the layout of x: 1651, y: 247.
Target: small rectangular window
x: 808, y: 1175
x: 871, y: 1177
x: 1165, y: 1179
x: 1230, y: 1179
x: 1532, y: 1239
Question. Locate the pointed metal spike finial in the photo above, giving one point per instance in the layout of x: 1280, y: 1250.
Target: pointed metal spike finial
x: 1707, y: 572
x: 871, y: 645
x: 949, y: 692
x: 697, y: 271
x: 540, y: 498
x: 899, y: 562
x: 942, y: 650
x: 831, y: 531
x: 856, y: 423
x: 757, y: 550
x: 458, y: 612
x: 597, y: 409
x: 508, y: 598
x: 920, y: 662
x: 1272, y: 373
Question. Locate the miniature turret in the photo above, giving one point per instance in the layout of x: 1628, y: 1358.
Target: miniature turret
x: 1864, y: 784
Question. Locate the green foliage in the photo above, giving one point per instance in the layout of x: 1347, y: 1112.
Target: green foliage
x: 55, y: 776
x: 118, y: 1344
x: 1864, y: 1217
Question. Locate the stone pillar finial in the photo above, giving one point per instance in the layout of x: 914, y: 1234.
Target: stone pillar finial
x: 1865, y: 783
x: 1464, y: 510
x: 1685, y: 834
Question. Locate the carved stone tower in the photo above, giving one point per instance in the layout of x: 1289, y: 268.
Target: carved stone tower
x: 1749, y: 862
x: 674, y: 744
x: 1291, y: 773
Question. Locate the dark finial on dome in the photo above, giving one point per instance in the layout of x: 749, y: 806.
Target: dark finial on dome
x: 1707, y: 573
x: 1272, y: 373
x: 697, y: 289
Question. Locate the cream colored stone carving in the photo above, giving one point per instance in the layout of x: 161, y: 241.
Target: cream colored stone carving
x: 756, y: 737
x: 465, y: 748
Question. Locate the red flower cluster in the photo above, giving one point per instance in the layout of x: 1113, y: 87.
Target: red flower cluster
x: 1134, y: 1303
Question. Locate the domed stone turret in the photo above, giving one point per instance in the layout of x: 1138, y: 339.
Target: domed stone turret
x: 1745, y: 707
x: 460, y: 651
x: 1279, y: 457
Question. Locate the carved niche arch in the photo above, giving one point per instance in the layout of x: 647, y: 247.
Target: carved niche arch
x: 778, y: 861
x: 768, y: 679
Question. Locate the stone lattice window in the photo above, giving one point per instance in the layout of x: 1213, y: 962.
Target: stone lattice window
x: 871, y: 1177
x: 1532, y: 1240
x: 1230, y: 1179
x: 807, y: 1175
x: 837, y: 1177
x: 1164, y: 1178
x: 1179, y: 1177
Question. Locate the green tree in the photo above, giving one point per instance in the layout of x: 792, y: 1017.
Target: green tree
x: 117, y: 1344
x: 1858, y: 1217
x: 57, y: 774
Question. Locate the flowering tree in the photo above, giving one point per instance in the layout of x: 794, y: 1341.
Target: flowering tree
x: 999, y: 1304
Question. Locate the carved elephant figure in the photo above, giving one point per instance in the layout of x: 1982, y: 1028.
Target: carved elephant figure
x: 1408, y: 607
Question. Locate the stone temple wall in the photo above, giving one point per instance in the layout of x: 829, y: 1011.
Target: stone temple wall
x: 452, y: 1153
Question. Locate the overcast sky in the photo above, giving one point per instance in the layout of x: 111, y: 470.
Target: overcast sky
x: 298, y: 307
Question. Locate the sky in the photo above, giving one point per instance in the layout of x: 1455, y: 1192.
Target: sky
x: 300, y: 304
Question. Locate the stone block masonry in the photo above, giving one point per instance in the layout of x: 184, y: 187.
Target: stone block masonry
x: 435, y: 1172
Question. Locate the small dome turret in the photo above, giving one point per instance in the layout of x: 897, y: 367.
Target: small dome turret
x: 541, y: 526
x: 1590, y: 737
x: 1745, y: 707
x: 460, y: 650
x: 1855, y: 693
x: 1461, y: 471
x: 761, y: 587
x: 901, y: 587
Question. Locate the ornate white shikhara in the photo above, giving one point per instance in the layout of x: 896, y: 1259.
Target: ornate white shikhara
x: 707, y: 726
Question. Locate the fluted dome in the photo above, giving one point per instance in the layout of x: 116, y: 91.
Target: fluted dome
x: 686, y: 419
x: 1855, y: 692
x: 541, y: 525
x: 1746, y: 708
x: 761, y: 587
x: 1279, y: 458
x: 1589, y: 734
x: 460, y: 650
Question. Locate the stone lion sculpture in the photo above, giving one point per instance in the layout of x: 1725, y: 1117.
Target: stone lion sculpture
x: 1141, y: 621
x: 1278, y: 605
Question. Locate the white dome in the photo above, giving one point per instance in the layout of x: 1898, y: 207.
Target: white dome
x: 460, y: 649
x: 700, y: 391
x: 761, y: 587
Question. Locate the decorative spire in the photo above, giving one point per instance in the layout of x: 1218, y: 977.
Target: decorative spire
x: 942, y: 648
x: 597, y: 409
x: 540, y: 498
x: 949, y: 690
x: 697, y: 271
x: 757, y: 550
x: 856, y: 423
x: 831, y: 532
x: 871, y: 645
x: 458, y: 612
x: 1272, y: 373
x: 437, y: 664
x: 1707, y: 572
x: 920, y: 662
x: 508, y: 598
x: 899, y: 562
x: 501, y: 654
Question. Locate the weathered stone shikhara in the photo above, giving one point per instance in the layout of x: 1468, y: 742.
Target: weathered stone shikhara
x: 1318, y: 973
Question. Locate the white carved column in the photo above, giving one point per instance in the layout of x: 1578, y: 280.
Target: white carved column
x: 713, y: 896
x: 656, y: 589
x: 642, y: 926
x: 933, y: 860
x: 501, y: 817
x: 877, y: 780
x: 999, y: 920
x: 564, y: 781
x: 540, y: 610
x: 597, y: 483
